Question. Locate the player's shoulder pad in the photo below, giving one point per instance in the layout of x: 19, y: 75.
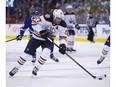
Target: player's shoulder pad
x: 63, y: 23
x: 72, y: 13
x: 48, y: 17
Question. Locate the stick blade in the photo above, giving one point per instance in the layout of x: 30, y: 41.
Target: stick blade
x: 100, y: 77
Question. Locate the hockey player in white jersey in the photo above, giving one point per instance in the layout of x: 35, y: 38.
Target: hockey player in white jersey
x: 55, y: 24
x: 105, y: 51
x: 70, y: 20
x: 33, y: 20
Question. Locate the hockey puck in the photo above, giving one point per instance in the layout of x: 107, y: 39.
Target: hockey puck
x: 105, y: 75
x: 100, y: 78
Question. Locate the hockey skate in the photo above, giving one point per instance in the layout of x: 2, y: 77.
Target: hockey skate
x: 34, y: 72
x: 91, y: 41
x: 53, y: 57
x: 13, y: 71
x: 68, y: 49
x: 100, y: 60
x: 73, y: 50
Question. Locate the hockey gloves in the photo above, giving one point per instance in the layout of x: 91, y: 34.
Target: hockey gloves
x: 77, y: 26
x: 62, y: 48
x: 94, y: 25
x: 19, y: 37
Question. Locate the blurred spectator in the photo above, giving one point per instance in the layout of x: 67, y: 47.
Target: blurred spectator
x: 20, y: 9
x: 101, y: 21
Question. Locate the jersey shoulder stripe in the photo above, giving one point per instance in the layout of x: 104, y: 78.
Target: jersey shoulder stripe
x: 48, y: 18
x: 34, y: 23
x: 63, y: 24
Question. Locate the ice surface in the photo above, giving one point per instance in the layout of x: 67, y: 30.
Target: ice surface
x: 63, y: 74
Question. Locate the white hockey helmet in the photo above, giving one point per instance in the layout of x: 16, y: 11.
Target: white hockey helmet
x: 58, y: 13
x: 69, y: 6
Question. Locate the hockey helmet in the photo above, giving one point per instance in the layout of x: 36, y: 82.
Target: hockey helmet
x: 69, y: 7
x: 58, y: 13
x: 35, y: 12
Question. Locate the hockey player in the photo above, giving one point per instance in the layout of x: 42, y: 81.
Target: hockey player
x: 28, y: 25
x: 89, y: 23
x: 52, y: 55
x: 33, y: 20
x: 55, y: 24
x: 105, y: 50
x: 70, y: 19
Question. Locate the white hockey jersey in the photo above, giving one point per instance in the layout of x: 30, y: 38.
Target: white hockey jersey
x: 70, y: 20
x: 46, y: 22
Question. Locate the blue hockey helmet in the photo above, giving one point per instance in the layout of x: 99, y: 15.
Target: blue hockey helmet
x: 35, y: 12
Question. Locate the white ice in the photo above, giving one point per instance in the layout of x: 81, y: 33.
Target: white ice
x: 63, y: 74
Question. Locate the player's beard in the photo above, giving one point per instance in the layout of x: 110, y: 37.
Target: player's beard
x: 57, y: 21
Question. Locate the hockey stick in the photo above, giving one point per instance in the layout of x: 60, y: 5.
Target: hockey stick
x: 14, y: 39
x: 95, y: 77
x: 11, y: 40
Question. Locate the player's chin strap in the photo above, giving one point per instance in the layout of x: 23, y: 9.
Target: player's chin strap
x: 95, y: 77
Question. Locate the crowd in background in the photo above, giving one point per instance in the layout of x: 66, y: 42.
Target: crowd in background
x: 23, y: 8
